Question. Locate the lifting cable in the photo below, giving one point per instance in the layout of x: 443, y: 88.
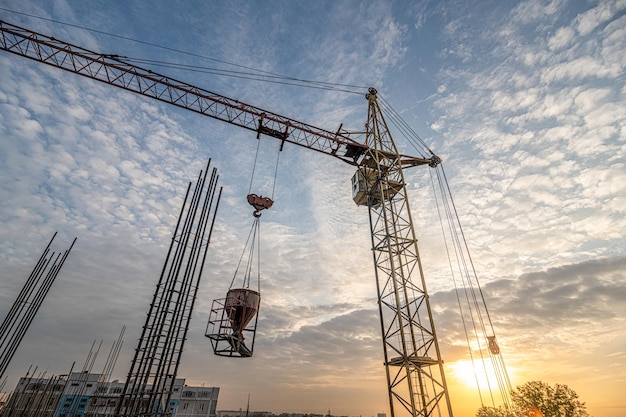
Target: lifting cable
x: 257, y: 201
x: 475, y: 317
x: 254, y: 236
x: 481, y: 325
x: 250, y: 73
x: 463, y: 274
x: 256, y: 156
x: 458, y: 298
x: 275, y: 174
x: 252, y: 243
x: 257, y: 75
x: 407, y: 132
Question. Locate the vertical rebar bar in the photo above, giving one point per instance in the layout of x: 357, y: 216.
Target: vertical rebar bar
x: 28, y: 302
x: 152, y: 375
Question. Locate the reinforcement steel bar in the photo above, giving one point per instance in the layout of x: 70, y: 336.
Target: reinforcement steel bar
x: 28, y: 302
x: 153, y: 371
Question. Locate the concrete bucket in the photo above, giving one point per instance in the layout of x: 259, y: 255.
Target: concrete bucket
x: 231, y: 318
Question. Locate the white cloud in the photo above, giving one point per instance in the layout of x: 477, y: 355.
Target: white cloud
x: 592, y: 18
x: 561, y: 38
x: 535, y: 10
x: 577, y: 70
x: 388, y: 48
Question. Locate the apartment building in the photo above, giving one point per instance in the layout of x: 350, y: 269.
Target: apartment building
x: 87, y: 395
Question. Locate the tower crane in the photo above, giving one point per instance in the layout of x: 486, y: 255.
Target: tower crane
x: 412, y: 359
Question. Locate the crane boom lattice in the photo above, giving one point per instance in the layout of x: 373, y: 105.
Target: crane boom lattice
x: 111, y: 69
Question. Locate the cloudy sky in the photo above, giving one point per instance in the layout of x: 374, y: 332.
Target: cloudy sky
x: 524, y: 102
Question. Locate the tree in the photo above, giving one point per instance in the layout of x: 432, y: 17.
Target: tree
x: 495, y: 412
x: 538, y: 399
x: 557, y: 401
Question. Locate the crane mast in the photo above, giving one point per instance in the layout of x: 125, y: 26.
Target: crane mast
x: 414, y: 368
x: 413, y: 363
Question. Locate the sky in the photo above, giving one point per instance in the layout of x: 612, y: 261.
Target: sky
x: 523, y: 101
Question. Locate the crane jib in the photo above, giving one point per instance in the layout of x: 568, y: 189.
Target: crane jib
x: 113, y: 70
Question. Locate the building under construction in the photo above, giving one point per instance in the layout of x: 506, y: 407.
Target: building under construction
x: 82, y: 394
x: 152, y: 387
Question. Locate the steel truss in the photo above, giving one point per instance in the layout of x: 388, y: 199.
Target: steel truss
x: 413, y: 363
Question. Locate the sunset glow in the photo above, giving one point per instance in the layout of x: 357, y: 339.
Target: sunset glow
x: 475, y: 374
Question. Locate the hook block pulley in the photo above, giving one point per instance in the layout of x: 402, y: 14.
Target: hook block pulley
x: 259, y: 203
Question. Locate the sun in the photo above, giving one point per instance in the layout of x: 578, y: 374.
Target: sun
x: 465, y: 371
x: 475, y: 374
x: 479, y: 383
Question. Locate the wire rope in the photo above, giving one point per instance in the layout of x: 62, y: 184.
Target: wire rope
x: 249, y: 250
x: 275, y: 173
x: 258, y: 258
x: 474, y: 314
x: 256, y: 155
x: 408, y: 133
x: 478, y: 313
x: 268, y: 76
x: 454, y: 280
x: 255, y: 75
x: 462, y: 234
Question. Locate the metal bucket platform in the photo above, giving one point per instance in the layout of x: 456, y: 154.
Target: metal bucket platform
x: 233, y: 320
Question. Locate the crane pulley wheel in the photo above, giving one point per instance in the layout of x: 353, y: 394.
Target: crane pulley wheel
x: 259, y: 203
